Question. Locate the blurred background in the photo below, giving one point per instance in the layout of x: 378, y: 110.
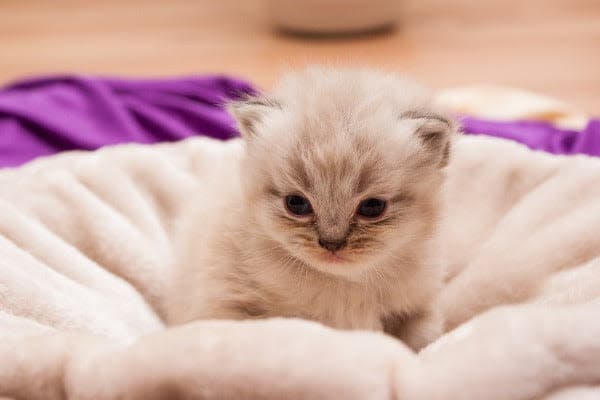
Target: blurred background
x: 548, y: 46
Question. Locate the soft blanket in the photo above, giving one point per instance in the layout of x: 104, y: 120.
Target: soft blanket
x: 86, y: 241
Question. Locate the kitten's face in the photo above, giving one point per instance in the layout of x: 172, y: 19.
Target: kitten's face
x: 341, y: 191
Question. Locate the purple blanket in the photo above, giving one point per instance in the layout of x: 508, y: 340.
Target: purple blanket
x: 44, y: 116
x: 48, y: 115
x: 540, y: 135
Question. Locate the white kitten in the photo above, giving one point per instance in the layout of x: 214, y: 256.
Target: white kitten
x: 332, y: 213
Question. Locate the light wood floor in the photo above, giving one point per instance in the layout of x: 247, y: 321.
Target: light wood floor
x: 550, y: 46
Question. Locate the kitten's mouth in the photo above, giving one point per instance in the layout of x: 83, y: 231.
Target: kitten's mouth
x: 334, y: 258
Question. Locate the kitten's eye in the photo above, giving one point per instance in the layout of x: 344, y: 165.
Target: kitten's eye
x: 298, y: 205
x: 371, y: 208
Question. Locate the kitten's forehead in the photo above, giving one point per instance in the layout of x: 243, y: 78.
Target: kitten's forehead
x: 337, y: 163
x: 342, y: 131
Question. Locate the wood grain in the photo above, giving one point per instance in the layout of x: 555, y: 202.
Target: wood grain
x: 552, y: 46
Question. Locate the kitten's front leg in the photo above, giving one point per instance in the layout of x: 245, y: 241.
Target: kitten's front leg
x: 415, y: 330
x: 222, y: 306
x: 200, y: 292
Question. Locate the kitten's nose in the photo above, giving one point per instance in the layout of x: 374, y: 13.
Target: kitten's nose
x: 332, y: 245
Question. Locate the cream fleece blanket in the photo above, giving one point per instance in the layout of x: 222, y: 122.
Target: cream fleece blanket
x: 86, y: 240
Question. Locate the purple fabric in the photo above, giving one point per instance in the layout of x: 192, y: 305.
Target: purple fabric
x: 47, y: 115
x: 540, y: 135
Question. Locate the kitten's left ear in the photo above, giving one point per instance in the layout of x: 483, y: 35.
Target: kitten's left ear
x: 435, y: 131
x: 250, y: 112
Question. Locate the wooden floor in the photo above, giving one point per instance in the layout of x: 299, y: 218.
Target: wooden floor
x: 550, y: 46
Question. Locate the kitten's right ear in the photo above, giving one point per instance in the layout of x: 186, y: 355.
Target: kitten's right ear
x: 250, y: 112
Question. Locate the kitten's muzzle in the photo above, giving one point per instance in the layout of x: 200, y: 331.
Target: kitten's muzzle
x: 333, y: 245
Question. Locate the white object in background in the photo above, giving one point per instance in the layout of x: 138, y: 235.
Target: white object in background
x: 505, y: 103
x: 333, y: 16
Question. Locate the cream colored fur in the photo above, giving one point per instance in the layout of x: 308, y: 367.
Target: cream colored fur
x: 85, y: 238
x: 336, y: 137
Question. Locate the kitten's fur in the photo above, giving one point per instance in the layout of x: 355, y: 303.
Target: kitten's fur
x: 336, y: 137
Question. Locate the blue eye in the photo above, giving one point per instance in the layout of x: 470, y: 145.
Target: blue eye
x: 298, y: 205
x: 371, y: 208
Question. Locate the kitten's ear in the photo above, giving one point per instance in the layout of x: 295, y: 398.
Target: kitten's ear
x: 250, y: 112
x: 435, y: 131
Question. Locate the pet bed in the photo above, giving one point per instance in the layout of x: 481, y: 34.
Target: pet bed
x: 86, y: 238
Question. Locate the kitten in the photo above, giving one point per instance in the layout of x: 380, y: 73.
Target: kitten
x: 331, y: 214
